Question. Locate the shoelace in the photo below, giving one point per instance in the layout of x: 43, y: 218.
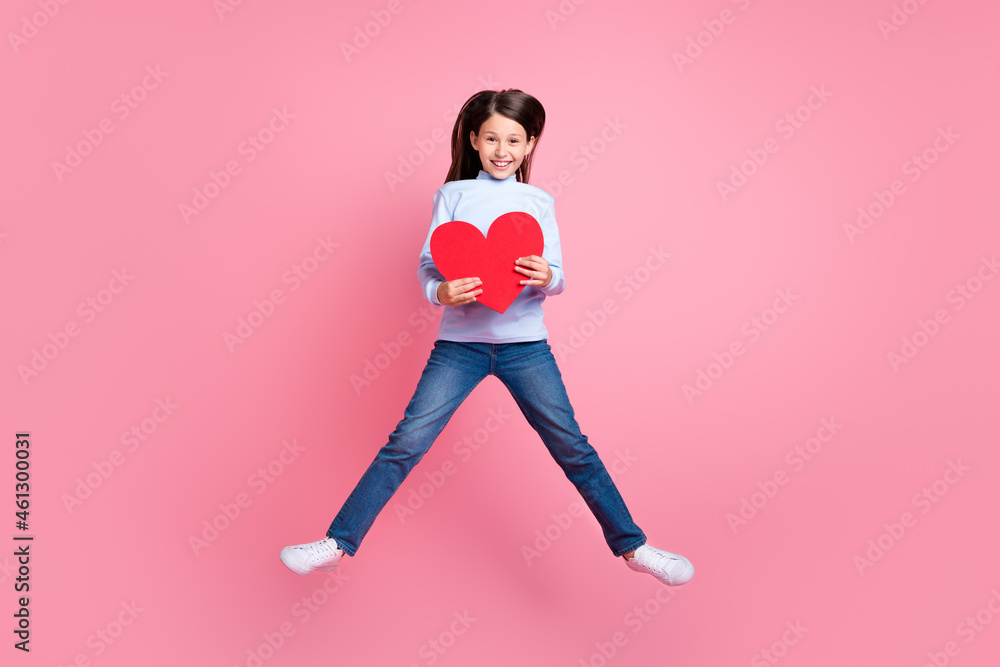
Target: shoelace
x: 321, y: 550
x: 659, y: 562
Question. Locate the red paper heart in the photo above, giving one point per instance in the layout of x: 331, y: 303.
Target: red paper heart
x: 460, y: 250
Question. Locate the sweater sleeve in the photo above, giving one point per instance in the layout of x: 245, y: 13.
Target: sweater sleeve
x: 427, y: 272
x: 553, y: 251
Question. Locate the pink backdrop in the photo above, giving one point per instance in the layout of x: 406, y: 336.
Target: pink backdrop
x: 780, y: 240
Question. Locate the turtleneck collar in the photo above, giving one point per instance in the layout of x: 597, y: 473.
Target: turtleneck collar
x: 485, y: 175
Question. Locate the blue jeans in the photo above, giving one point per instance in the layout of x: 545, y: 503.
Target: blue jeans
x: 529, y: 372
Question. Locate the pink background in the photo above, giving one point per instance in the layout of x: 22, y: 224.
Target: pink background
x: 659, y: 138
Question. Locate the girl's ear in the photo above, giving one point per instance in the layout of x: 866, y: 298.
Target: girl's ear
x: 473, y: 140
x: 531, y: 146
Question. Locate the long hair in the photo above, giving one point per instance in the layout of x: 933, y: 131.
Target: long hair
x: 512, y: 103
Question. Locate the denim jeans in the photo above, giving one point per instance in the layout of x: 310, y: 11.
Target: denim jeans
x: 529, y: 372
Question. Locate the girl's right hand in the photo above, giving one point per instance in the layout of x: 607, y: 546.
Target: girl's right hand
x: 459, y: 292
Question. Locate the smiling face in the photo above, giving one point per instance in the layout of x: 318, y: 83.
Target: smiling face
x: 502, y: 145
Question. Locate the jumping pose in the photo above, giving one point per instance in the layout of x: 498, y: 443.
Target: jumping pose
x: 491, y: 147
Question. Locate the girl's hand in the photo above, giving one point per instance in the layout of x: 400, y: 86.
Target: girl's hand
x: 535, y: 268
x: 459, y: 292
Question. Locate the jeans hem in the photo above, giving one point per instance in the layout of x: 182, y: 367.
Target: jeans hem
x: 633, y: 547
x: 342, y: 546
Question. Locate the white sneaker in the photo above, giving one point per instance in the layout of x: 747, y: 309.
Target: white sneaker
x: 671, y: 569
x: 305, y: 558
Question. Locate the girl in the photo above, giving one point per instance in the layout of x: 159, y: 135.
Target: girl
x: 491, y: 146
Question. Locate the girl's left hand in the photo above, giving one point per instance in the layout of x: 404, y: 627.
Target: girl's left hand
x: 535, y: 268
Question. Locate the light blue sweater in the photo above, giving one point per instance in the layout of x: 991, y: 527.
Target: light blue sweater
x: 479, y: 201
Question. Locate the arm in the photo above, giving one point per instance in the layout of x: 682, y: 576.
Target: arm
x: 545, y: 273
x: 430, y: 278
x: 435, y: 288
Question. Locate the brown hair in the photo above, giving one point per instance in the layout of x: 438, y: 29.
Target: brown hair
x: 512, y: 103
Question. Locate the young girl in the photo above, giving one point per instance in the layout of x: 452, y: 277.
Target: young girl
x: 491, y: 147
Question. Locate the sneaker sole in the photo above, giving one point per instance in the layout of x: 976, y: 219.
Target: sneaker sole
x: 689, y: 574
